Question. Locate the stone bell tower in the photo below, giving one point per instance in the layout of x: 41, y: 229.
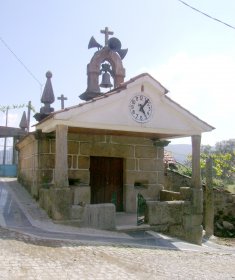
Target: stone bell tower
x: 107, y: 61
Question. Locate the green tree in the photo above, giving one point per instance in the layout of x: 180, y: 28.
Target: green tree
x: 223, y: 156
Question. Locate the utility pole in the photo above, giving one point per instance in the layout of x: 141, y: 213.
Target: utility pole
x: 5, y: 140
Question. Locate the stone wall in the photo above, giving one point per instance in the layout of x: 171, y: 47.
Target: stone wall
x: 28, y: 162
x: 173, y: 180
x: 224, y: 201
x: 175, y: 218
x: 36, y: 162
x: 143, y: 163
x: 174, y: 214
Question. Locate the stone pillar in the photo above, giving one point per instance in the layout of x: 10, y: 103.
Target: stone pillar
x: 61, y: 157
x: 196, y: 170
x: 209, y: 200
x: 193, y: 224
x: 197, y: 199
x: 60, y: 194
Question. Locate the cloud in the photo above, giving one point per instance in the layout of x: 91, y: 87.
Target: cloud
x: 204, y: 85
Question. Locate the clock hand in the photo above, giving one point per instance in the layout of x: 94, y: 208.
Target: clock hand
x: 146, y: 101
x: 141, y: 109
x: 142, y: 105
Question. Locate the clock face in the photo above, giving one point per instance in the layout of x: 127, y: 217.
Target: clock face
x: 140, y: 108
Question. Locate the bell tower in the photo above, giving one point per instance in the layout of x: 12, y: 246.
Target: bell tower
x: 106, y: 61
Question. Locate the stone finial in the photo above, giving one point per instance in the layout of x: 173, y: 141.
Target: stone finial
x: 47, y: 98
x: 48, y: 94
x: 23, y: 122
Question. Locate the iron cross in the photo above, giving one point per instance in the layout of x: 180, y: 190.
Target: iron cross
x: 106, y: 32
x: 62, y: 98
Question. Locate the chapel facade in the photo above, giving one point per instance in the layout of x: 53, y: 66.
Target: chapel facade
x: 87, y: 162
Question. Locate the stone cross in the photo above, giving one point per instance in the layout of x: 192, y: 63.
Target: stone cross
x: 62, y: 98
x: 106, y: 32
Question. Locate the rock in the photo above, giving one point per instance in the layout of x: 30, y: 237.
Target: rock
x: 228, y: 225
x: 219, y: 226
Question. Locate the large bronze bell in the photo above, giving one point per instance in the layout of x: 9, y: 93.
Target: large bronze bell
x: 105, y: 83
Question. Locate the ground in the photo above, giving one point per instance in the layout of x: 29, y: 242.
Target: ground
x: 230, y: 242
x: 25, y: 257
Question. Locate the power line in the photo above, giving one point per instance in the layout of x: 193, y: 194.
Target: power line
x: 216, y: 19
x: 21, y: 62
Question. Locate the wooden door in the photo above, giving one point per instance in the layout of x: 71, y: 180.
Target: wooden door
x: 106, y: 181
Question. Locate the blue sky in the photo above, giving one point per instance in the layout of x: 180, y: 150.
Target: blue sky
x: 190, y: 54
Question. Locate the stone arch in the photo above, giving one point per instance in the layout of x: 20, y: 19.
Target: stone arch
x: 93, y: 71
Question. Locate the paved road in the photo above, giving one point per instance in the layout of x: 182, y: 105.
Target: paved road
x: 32, y: 247
x: 25, y: 257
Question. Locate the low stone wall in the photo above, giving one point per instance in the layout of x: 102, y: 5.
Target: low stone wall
x: 169, y: 195
x: 173, y: 181
x: 223, y: 200
x: 184, y: 193
x: 101, y: 216
x: 175, y: 218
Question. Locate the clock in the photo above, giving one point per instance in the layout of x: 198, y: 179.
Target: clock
x: 140, y: 107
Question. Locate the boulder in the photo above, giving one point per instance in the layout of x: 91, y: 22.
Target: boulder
x: 228, y: 225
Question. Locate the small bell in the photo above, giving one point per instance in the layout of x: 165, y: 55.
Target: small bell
x: 105, y: 83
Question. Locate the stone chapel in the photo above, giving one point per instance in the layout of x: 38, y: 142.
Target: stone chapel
x: 87, y: 162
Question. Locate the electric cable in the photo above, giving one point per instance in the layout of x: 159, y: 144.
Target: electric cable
x: 21, y: 62
x: 216, y: 19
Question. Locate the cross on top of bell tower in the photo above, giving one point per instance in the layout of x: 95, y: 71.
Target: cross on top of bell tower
x: 106, y: 33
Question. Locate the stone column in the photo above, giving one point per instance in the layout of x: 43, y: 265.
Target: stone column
x: 60, y: 194
x: 197, y: 199
x: 196, y: 170
x: 209, y: 200
x: 61, y: 157
x: 193, y: 219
